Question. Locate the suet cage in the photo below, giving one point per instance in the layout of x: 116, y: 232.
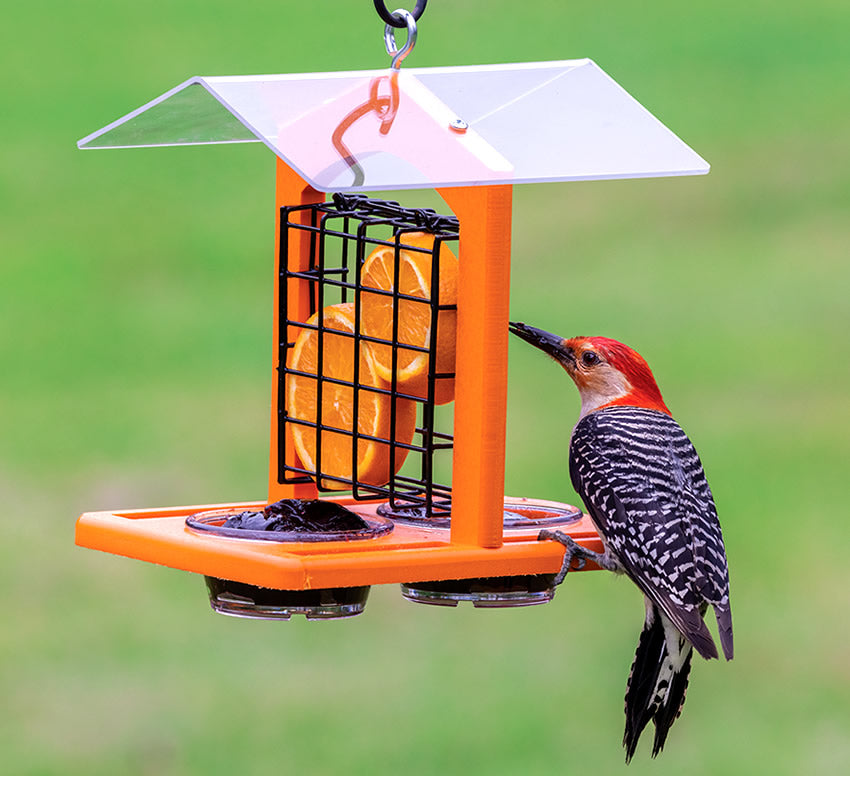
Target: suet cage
x: 440, y: 525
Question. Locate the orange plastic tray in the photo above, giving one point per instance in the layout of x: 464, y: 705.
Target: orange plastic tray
x: 407, y: 554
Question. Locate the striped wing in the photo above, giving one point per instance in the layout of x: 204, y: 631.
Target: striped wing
x: 644, y: 487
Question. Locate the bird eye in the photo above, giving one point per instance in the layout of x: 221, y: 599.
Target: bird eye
x: 589, y: 358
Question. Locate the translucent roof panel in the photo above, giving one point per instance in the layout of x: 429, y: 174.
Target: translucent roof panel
x: 418, y: 128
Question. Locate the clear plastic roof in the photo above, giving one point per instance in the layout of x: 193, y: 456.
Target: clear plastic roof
x: 421, y: 128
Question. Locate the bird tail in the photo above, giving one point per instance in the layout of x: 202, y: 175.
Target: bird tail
x: 657, y: 683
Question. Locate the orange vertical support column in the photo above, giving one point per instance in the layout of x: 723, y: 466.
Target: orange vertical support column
x: 478, y: 466
x: 291, y: 190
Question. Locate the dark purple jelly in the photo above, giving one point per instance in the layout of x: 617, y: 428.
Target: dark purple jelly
x: 299, y: 516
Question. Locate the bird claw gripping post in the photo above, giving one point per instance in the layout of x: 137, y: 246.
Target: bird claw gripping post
x: 574, y: 552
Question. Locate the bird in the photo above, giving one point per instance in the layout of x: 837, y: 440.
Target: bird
x: 644, y: 487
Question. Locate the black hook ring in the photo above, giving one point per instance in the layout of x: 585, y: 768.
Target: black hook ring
x: 398, y: 22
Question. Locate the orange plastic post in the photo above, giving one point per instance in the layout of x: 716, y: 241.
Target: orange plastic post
x: 478, y: 464
x: 291, y: 190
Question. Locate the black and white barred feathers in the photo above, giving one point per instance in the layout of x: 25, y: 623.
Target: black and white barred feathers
x: 645, y: 490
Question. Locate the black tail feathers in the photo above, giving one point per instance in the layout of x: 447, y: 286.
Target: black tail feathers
x: 656, y: 689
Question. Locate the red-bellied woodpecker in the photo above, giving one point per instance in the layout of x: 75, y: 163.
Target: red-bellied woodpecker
x: 645, y: 490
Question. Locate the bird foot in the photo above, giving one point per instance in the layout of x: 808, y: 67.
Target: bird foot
x: 573, y: 551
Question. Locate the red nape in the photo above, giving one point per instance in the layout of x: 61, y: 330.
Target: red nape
x: 645, y: 392
x: 640, y: 401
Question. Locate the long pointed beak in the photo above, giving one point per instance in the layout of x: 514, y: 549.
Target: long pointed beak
x: 547, y: 342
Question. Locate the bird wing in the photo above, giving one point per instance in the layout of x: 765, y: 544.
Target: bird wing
x: 644, y: 487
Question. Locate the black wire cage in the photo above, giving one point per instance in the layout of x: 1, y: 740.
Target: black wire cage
x: 342, y: 233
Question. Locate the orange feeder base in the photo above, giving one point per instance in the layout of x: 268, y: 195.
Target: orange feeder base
x: 477, y: 545
x: 409, y: 553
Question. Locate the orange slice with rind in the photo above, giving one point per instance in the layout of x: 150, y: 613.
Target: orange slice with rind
x: 415, y: 315
x: 374, y: 412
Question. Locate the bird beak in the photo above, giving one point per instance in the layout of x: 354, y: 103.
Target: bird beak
x: 547, y: 342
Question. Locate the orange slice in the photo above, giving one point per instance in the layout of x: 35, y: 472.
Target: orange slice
x: 414, y: 317
x: 374, y: 409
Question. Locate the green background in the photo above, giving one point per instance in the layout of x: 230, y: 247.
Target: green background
x: 134, y: 361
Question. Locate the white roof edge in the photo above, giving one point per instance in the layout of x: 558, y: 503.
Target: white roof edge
x: 583, y: 125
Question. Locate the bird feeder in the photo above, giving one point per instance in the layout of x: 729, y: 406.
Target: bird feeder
x: 470, y: 133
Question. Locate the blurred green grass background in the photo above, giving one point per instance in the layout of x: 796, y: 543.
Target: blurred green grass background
x: 134, y: 355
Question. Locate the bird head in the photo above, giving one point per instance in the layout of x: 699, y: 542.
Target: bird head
x: 606, y: 372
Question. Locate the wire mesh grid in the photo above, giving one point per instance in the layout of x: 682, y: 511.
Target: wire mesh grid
x: 342, y: 233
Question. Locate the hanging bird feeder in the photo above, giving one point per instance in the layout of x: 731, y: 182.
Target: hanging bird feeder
x: 384, y: 318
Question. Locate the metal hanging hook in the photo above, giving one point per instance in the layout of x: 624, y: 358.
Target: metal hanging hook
x: 389, y: 38
x: 395, y: 20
